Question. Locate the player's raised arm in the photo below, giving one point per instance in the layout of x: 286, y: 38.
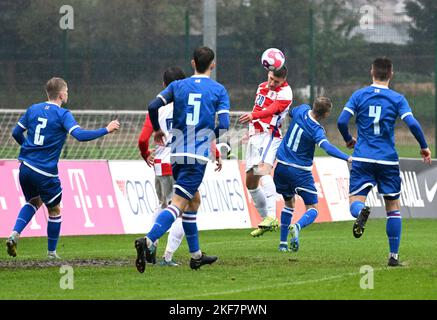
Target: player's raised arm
x: 80, y: 134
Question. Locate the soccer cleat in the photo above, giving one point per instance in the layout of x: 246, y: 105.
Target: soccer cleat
x: 204, y: 259
x: 12, y: 243
x: 283, y: 247
x: 52, y: 255
x: 294, y: 240
x: 360, y: 223
x: 151, y: 256
x: 268, y: 224
x: 140, y: 262
x: 11, y: 246
x: 171, y: 263
x: 393, y: 260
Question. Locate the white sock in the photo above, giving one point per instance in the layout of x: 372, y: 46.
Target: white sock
x: 259, y: 200
x: 175, y: 236
x: 196, y: 255
x: 269, y: 189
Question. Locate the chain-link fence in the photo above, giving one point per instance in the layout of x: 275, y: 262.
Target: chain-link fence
x: 114, y: 52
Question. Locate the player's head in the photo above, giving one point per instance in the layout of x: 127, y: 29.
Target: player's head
x: 275, y: 79
x: 382, y: 69
x: 172, y: 74
x: 57, y: 89
x: 322, y: 107
x: 203, y: 60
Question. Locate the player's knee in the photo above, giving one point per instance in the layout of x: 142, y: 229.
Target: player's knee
x: 54, y: 211
x: 36, y: 202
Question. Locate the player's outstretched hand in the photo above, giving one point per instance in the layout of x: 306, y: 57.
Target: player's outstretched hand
x: 351, y: 143
x: 426, y: 155
x: 219, y: 164
x: 158, y: 137
x: 112, y: 126
x: 245, y: 118
x: 151, y: 158
x: 349, y: 160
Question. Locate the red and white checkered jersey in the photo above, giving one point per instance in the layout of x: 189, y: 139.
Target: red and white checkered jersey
x: 270, y: 109
x: 161, y: 163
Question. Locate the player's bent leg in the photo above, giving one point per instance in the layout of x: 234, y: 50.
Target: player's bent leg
x: 311, y: 204
x: 393, y: 229
x: 360, y: 211
x: 145, y: 246
x: 23, y: 219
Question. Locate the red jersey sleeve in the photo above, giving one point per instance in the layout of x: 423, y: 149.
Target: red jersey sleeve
x: 143, y: 140
x: 275, y: 108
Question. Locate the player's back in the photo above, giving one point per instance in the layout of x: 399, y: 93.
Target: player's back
x: 376, y: 109
x: 298, y: 146
x: 45, y: 136
x: 196, y: 101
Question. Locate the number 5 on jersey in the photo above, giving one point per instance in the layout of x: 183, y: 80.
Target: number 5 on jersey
x: 39, y: 138
x: 194, y: 101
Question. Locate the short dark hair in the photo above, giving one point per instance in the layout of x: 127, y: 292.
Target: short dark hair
x: 281, y: 73
x: 203, y: 56
x: 321, y: 106
x: 54, y: 87
x: 172, y: 74
x: 382, y: 68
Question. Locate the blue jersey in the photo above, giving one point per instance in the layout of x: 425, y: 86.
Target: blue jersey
x: 298, y: 146
x: 376, y: 109
x: 47, y: 126
x: 196, y: 101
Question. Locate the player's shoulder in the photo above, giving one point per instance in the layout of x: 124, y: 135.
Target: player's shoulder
x: 299, y: 110
x: 285, y: 92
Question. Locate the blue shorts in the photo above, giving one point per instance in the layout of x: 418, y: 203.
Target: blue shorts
x: 188, y: 176
x: 364, y: 176
x: 35, y: 184
x: 290, y: 181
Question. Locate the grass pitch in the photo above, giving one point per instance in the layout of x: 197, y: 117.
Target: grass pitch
x: 327, y: 266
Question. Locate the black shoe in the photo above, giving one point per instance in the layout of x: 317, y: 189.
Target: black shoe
x: 360, y: 223
x: 393, y: 262
x: 151, y: 255
x: 204, y: 259
x: 140, y: 262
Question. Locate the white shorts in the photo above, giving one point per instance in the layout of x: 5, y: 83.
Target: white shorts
x: 261, y: 148
x: 164, y: 189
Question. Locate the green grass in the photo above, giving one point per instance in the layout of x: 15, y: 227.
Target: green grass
x: 327, y: 266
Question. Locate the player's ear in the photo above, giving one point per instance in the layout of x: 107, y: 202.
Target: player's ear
x: 193, y: 64
x: 212, y: 66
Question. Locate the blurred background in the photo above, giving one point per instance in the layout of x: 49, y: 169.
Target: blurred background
x: 114, y: 57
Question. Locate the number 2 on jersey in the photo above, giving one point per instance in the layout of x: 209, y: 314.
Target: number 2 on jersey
x: 39, y: 138
x: 193, y: 118
x: 375, y: 112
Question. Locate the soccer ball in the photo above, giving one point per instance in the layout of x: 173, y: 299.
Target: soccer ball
x: 273, y: 59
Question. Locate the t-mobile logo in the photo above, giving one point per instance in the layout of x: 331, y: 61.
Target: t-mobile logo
x: 82, y: 200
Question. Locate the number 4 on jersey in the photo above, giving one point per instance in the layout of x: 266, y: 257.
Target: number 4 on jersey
x: 375, y: 112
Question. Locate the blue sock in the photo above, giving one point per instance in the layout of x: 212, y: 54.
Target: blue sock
x: 163, y: 222
x: 53, y: 231
x: 286, y: 216
x: 191, y: 233
x: 393, y: 230
x: 356, y: 208
x: 24, y: 217
x: 307, y: 218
